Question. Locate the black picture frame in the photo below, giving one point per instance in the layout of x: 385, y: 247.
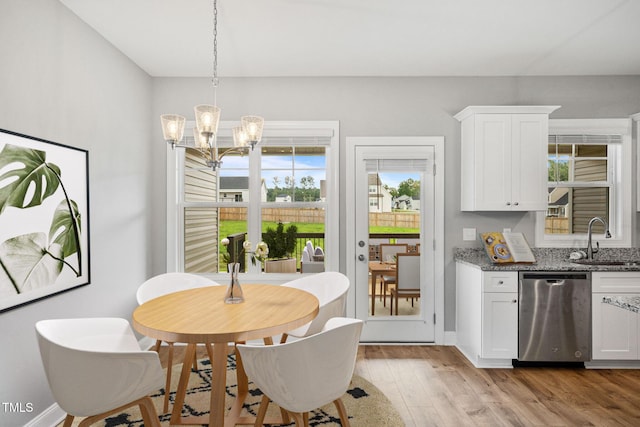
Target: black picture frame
x: 44, y: 219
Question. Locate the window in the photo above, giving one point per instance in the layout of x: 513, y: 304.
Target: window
x: 589, y: 175
x: 290, y: 177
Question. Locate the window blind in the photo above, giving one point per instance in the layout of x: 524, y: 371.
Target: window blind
x: 395, y: 165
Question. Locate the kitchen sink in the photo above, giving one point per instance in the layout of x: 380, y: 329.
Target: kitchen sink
x: 606, y: 262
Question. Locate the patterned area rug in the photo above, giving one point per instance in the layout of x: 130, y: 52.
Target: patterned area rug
x: 366, y: 405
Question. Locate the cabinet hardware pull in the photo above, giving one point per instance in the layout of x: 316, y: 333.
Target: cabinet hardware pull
x: 515, y: 204
x: 514, y: 301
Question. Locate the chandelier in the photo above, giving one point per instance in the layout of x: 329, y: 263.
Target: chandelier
x: 205, y: 134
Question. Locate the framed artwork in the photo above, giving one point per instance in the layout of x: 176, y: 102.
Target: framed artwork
x: 44, y: 219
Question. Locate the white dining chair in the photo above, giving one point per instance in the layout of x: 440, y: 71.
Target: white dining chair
x: 164, y: 284
x: 330, y: 287
x: 306, y: 374
x: 95, y: 368
x: 407, y: 280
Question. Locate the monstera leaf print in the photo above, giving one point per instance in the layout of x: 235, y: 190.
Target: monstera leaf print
x: 63, y: 228
x: 28, y: 261
x: 34, y: 260
x: 31, y: 169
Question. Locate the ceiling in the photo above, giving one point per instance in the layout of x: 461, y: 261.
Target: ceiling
x: 372, y: 37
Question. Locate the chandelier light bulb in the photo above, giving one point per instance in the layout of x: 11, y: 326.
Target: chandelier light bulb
x: 172, y: 127
x: 239, y: 137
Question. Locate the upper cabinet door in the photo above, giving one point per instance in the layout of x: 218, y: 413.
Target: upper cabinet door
x: 530, y: 136
x: 504, y: 158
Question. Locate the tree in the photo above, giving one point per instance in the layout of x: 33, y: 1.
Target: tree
x: 307, y: 182
x: 409, y: 187
x: 276, y: 182
x: 562, y: 169
x: 391, y: 190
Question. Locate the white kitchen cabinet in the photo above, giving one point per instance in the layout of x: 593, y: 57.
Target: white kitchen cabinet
x: 615, y: 329
x: 500, y: 325
x: 504, y: 157
x: 487, y: 315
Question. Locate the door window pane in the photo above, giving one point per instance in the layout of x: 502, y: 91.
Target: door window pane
x: 394, y: 219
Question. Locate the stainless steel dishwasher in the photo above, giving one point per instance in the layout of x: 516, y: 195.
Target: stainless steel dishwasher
x: 554, y: 317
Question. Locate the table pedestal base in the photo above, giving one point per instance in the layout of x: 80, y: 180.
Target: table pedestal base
x: 218, y: 356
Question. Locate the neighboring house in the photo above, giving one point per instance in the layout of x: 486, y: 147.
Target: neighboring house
x: 236, y: 189
x: 283, y: 198
x: 558, y: 202
x: 380, y: 199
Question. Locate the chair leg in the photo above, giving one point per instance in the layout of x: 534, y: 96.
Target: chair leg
x: 384, y: 293
x: 297, y: 417
x: 305, y: 419
x: 342, y: 411
x: 68, y: 420
x: 262, y: 411
x: 149, y: 414
x: 150, y: 409
x: 391, y: 304
x: 284, y: 338
x: 157, y: 346
x: 397, y: 298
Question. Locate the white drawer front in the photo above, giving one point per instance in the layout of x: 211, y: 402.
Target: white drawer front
x: 500, y: 281
x: 615, y: 281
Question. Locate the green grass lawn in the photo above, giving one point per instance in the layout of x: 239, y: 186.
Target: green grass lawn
x: 232, y: 227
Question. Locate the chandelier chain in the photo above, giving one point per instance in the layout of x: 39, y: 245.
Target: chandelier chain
x: 215, y: 44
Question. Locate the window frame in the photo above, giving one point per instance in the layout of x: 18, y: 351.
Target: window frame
x: 620, y: 168
x: 279, y: 131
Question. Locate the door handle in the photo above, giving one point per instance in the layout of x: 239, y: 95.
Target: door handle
x: 361, y: 257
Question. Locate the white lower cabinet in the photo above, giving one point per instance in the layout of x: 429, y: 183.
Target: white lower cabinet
x: 615, y: 328
x: 500, y: 325
x: 487, y: 315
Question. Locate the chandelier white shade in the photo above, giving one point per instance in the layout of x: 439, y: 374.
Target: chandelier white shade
x: 172, y: 127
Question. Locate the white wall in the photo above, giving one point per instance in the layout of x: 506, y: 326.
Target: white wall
x: 62, y: 82
x: 406, y: 107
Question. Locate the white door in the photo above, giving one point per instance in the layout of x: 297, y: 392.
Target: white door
x: 392, y: 199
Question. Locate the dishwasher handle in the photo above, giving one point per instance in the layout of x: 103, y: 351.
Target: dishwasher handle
x: 554, y: 276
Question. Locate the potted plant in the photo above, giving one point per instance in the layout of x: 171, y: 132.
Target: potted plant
x: 282, y: 244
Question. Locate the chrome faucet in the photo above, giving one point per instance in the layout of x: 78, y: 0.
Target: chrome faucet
x: 607, y: 235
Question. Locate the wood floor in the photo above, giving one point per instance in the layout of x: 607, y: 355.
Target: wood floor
x: 437, y: 386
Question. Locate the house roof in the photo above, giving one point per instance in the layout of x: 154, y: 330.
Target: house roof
x: 234, y: 182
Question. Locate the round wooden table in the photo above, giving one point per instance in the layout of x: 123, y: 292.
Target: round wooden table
x: 200, y: 316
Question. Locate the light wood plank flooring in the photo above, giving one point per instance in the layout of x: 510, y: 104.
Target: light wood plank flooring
x: 437, y: 386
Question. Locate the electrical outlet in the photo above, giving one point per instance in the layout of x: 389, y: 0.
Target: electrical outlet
x: 469, y: 234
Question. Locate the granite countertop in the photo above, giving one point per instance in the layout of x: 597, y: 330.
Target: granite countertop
x: 551, y: 259
x: 631, y: 303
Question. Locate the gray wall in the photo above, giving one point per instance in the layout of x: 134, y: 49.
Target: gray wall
x: 404, y: 107
x: 62, y: 82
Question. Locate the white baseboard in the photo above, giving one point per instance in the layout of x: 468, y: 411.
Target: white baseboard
x: 50, y: 417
